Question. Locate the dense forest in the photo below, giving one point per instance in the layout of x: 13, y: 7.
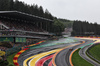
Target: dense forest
x: 84, y: 28
x: 67, y: 23
x: 79, y: 27
x: 15, y: 5
x: 58, y: 27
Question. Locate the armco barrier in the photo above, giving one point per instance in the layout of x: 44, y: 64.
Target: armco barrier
x: 87, y: 45
x: 89, y: 54
x: 86, y: 37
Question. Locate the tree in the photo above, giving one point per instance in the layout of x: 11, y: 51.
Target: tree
x: 11, y: 4
x: 4, y: 5
x: 85, y: 28
x: 58, y: 27
x: 41, y: 12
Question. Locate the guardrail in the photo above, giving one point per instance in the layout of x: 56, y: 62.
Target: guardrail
x: 90, y: 55
x: 43, y: 33
x: 23, y: 36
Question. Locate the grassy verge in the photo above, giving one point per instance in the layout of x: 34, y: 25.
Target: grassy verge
x: 95, y: 51
x: 79, y: 61
x: 10, y: 59
x: 65, y: 37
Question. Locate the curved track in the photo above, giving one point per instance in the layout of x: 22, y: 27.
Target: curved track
x: 43, y: 56
x: 62, y: 58
x: 82, y: 53
x: 27, y: 56
x: 42, y: 61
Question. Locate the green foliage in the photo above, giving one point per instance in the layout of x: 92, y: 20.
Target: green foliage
x: 11, y: 5
x: 84, y: 28
x: 65, y: 37
x: 67, y: 23
x: 10, y: 59
x: 4, y: 5
x: 58, y: 27
x: 34, y: 9
x: 78, y: 61
x: 73, y: 33
x: 95, y: 51
x: 15, y: 5
x: 11, y: 65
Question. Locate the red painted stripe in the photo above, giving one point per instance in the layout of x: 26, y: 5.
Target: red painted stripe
x: 26, y: 49
x: 19, y: 53
x: 16, y: 63
x: 42, y: 61
x: 50, y: 64
x: 16, y: 58
x: 37, y: 43
x: 27, y: 46
x: 97, y: 37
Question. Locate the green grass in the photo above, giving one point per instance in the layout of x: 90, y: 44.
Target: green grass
x: 10, y: 59
x: 95, y: 52
x: 79, y: 61
x: 65, y: 37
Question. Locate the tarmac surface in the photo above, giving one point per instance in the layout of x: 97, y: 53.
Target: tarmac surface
x: 62, y: 58
x: 82, y: 53
x: 35, y: 51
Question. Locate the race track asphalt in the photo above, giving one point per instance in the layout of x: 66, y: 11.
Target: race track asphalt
x: 32, y: 52
x: 62, y: 58
x: 82, y: 53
